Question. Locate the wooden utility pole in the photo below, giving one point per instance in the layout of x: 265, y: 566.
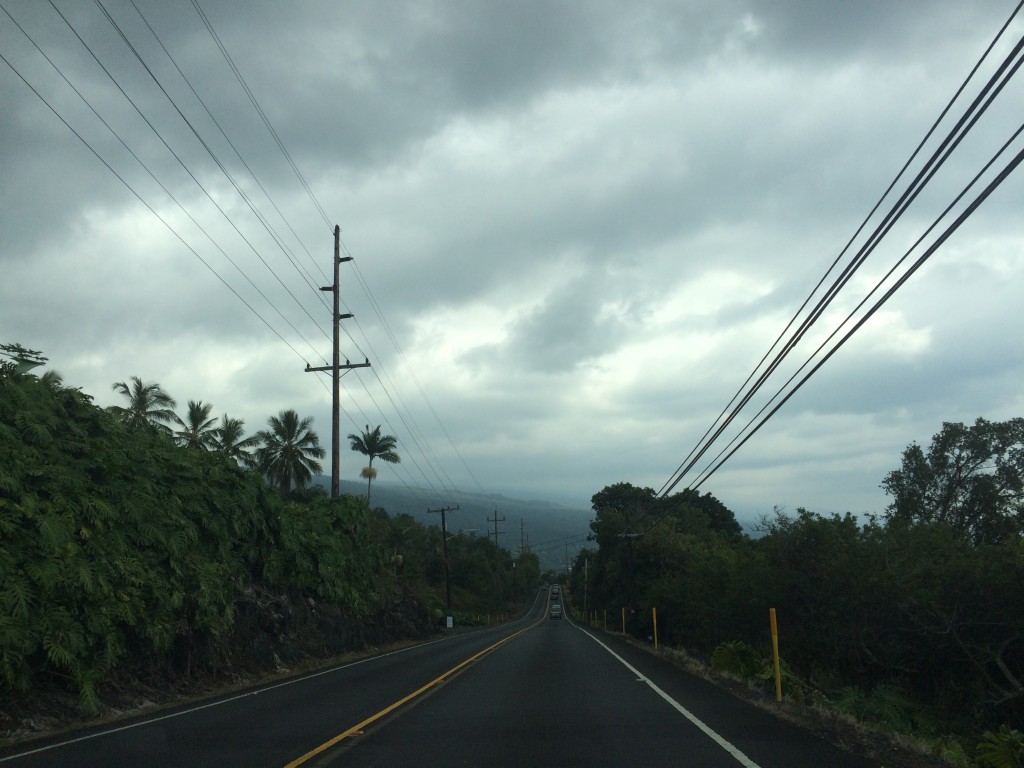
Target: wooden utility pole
x: 444, y: 549
x: 335, y: 368
x: 497, y: 557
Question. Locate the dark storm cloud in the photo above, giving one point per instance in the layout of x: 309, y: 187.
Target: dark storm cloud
x: 580, y: 220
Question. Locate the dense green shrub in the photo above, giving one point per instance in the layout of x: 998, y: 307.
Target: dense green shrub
x: 114, y: 541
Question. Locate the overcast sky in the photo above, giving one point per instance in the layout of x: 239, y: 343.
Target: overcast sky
x: 582, y: 224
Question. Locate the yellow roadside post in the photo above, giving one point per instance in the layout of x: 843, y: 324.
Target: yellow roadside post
x: 654, y: 618
x: 775, y: 655
x: 623, y: 621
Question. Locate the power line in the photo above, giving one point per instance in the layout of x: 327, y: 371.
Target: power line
x: 205, y: 146
x: 303, y: 273
x: 412, y: 429
x: 261, y: 113
x: 146, y: 204
x: 979, y: 105
x: 1010, y: 167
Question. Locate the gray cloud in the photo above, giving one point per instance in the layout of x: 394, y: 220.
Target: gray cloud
x: 583, y: 223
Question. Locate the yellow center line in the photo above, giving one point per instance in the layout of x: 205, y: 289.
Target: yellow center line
x: 359, y: 727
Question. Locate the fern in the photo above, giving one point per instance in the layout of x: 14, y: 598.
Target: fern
x: 56, y: 531
x: 59, y: 653
x: 737, y: 658
x: 18, y: 598
x: 885, y: 705
x: 1001, y: 749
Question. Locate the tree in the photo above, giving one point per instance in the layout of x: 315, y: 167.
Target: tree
x: 375, y: 445
x: 717, y: 516
x: 23, y: 359
x: 288, y: 451
x: 197, y: 430
x: 971, y: 479
x: 228, y: 439
x: 148, y: 405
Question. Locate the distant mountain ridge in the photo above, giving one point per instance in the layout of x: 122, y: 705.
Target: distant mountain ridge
x: 553, y: 531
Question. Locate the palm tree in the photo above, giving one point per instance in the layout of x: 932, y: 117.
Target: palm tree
x: 374, y: 445
x: 287, y: 451
x: 148, y: 405
x: 53, y: 381
x: 197, y: 430
x: 228, y: 439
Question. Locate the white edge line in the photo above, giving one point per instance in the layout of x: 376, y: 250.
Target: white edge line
x: 741, y: 758
x: 208, y: 705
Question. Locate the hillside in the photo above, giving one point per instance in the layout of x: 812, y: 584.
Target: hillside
x: 550, y: 530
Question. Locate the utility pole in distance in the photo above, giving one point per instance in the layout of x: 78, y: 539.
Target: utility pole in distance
x: 497, y: 557
x: 335, y: 368
x: 444, y: 548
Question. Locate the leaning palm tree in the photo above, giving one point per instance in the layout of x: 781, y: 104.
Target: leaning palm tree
x: 228, y: 439
x: 53, y: 381
x: 374, y: 445
x: 287, y: 451
x: 197, y: 430
x: 148, y: 405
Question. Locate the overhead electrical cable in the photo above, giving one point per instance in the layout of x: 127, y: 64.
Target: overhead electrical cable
x: 147, y: 169
x: 302, y: 271
x: 994, y: 85
x: 152, y: 210
x: 415, y: 432
x: 399, y: 467
x: 262, y: 114
x: 157, y: 133
x: 412, y: 373
x: 309, y: 191
x: 266, y: 224
x: 409, y: 455
x: 684, y: 467
x: 881, y: 282
x: 412, y: 434
x: 1010, y: 167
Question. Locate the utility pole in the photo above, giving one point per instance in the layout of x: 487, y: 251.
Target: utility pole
x: 497, y: 555
x: 631, y: 590
x: 444, y: 548
x: 335, y: 368
x: 586, y: 582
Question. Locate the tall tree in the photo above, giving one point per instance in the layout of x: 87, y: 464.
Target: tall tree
x: 375, y: 445
x: 148, y: 405
x: 971, y: 479
x: 22, y: 359
x: 288, y: 451
x: 229, y: 439
x: 197, y: 430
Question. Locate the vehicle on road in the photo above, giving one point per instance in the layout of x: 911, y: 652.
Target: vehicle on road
x: 555, y: 612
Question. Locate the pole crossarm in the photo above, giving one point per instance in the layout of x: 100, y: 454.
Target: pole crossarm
x: 344, y: 367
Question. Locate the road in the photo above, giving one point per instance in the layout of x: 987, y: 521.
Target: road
x: 531, y: 692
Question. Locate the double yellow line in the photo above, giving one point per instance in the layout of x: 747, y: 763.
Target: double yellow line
x: 359, y: 727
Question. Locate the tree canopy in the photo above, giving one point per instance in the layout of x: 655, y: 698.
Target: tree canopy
x: 373, y: 444
x: 970, y: 479
x: 148, y: 405
x: 288, y: 451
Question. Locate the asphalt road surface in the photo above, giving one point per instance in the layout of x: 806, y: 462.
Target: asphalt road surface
x: 534, y: 692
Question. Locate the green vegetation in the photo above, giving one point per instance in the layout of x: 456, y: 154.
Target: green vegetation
x: 911, y: 621
x: 124, y: 546
x: 374, y: 445
x: 288, y: 451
